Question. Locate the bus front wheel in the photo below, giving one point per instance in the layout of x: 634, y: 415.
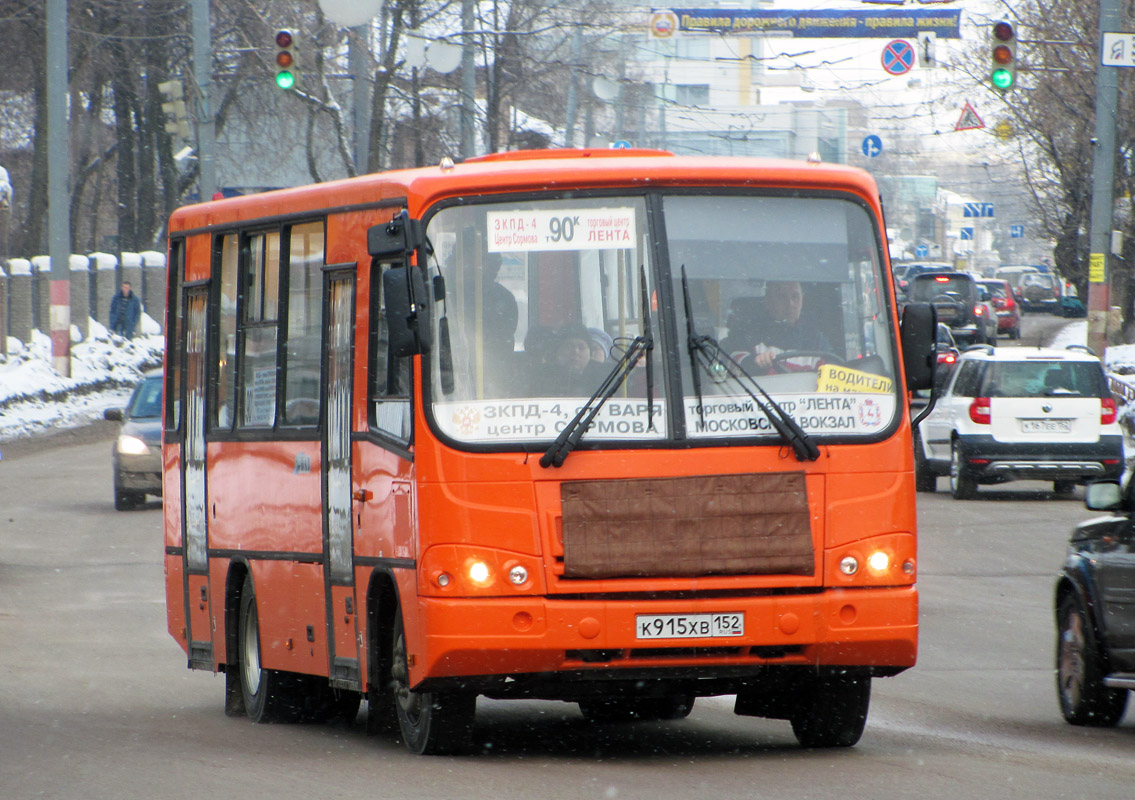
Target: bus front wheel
x: 432, y: 723
x: 832, y: 711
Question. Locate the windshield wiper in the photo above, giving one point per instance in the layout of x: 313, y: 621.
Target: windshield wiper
x: 707, y: 353
x: 640, y: 346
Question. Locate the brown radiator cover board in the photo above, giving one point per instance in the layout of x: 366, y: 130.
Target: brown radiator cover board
x: 688, y: 526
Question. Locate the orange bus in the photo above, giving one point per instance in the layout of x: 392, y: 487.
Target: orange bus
x: 616, y: 428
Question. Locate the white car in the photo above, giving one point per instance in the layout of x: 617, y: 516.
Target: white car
x: 1020, y: 414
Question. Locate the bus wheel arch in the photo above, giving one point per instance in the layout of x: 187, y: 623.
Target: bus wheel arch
x: 381, y: 609
x: 234, y: 585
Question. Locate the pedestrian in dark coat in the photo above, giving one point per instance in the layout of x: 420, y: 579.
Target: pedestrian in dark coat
x: 125, y: 311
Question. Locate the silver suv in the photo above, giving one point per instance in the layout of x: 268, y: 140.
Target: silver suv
x: 1020, y: 414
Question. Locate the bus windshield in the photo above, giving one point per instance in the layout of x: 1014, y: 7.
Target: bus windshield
x: 541, y: 298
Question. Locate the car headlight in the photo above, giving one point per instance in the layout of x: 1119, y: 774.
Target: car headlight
x: 131, y: 446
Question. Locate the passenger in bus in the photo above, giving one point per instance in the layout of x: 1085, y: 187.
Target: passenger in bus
x: 762, y: 328
x: 499, y: 312
x: 561, y: 362
x: 601, y: 344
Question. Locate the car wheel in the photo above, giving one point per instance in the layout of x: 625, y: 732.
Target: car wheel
x: 924, y: 479
x: 962, y: 484
x: 1084, y: 700
x: 832, y: 712
x: 1064, y: 487
x: 124, y: 501
x: 432, y: 723
x: 269, y: 695
x: 637, y: 709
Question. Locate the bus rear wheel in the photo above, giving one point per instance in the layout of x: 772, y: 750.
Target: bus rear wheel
x: 832, y: 711
x: 432, y: 723
x: 267, y: 694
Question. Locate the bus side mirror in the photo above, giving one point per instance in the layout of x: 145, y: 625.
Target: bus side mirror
x: 919, y: 353
x: 407, y: 315
x: 398, y: 237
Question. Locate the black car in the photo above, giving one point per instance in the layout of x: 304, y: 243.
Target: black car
x: 1095, y: 611
x: 137, y: 451
x: 961, y: 302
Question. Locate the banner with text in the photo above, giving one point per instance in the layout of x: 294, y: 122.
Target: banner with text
x: 813, y: 24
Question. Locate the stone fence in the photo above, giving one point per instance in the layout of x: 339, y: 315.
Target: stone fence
x: 25, y: 291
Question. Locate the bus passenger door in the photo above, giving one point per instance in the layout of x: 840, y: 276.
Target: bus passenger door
x: 338, y: 531
x: 194, y: 517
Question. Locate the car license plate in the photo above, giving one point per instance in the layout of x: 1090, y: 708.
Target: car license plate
x: 689, y: 626
x: 1046, y: 426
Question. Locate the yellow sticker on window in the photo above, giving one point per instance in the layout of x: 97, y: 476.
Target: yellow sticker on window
x: 844, y: 379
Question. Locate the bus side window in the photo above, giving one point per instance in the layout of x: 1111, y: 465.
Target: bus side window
x: 301, y: 366
x: 390, y: 377
x: 225, y: 357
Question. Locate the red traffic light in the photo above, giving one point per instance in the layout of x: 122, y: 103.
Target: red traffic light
x: 283, y: 39
x: 1003, y: 31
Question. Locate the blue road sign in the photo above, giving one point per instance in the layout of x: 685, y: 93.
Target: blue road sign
x: 1016, y: 231
x: 921, y: 251
x: 622, y: 144
x: 967, y: 234
x: 872, y: 146
x: 977, y: 210
x: 898, y: 57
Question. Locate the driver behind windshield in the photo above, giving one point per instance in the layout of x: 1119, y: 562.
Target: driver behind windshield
x: 760, y: 331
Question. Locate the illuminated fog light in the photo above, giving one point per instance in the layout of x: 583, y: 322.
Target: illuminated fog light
x: 479, y: 572
x: 443, y: 579
x: 908, y: 567
x: 878, y: 561
x: 849, y: 565
x: 518, y: 575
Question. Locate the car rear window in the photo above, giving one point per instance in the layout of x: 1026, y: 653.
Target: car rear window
x: 927, y: 289
x: 1043, y: 379
x: 995, y: 289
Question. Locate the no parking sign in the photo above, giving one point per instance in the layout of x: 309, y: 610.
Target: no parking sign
x: 898, y: 57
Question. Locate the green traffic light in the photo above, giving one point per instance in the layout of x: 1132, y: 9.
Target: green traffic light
x: 285, y: 79
x: 1002, y: 78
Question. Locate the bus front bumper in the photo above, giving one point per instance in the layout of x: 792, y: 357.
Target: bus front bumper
x: 491, y: 644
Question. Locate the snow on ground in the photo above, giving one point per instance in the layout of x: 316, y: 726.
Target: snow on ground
x: 34, y: 398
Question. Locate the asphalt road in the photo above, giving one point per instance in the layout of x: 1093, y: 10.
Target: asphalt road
x: 96, y: 702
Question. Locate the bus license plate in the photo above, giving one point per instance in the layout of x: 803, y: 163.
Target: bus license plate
x: 1046, y: 426
x: 689, y: 626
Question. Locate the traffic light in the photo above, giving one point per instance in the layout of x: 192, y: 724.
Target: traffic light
x: 1003, y: 56
x: 173, y: 104
x: 285, y: 59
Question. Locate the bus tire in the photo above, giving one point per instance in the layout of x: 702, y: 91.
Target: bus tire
x: 266, y: 693
x: 637, y: 709
x: 924, y: 479
x: 431, y: 723
x: 833, y: 711
x: 1084, y: 700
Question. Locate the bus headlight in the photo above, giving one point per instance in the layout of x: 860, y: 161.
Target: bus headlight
x: 883, y: 560
x: 466, y: 570
x: 878, y: 562
x: 480, y: 574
